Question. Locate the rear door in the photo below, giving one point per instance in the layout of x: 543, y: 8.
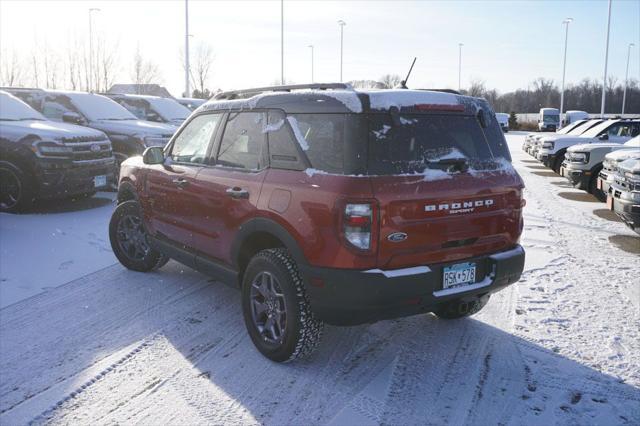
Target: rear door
x: 230, y: 186
x: 173, y: 196
x: 443, y: 193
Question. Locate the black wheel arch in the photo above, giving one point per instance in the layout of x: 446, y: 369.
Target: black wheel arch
x: 258, y: 234
x: 126, y: 192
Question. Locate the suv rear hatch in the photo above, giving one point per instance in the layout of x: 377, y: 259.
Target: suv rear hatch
x: 445, y: 187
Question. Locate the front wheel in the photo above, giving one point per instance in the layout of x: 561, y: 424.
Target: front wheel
x: 276, y: 309
x: 461, y: 308
x: 129, y: 239
x: 16, y: 189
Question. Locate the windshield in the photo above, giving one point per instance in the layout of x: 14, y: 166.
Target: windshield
x: 12, y: 108
x: 169, y: 109
x: 596, y: 130
x: 418, y: 142
x: 97, y: 107
x: 570, y: 127
x: 551, y: 119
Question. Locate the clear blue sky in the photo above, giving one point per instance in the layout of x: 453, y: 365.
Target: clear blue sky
x: 506, y: 44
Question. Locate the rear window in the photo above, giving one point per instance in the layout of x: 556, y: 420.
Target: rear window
x: 379, y: 144
x: 415, y: 142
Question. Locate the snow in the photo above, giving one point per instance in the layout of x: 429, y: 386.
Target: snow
x: 297, y: 133
x: 386, y: 99
x: 273, y: 127
x: 98, y: 107
x: 104, y: 345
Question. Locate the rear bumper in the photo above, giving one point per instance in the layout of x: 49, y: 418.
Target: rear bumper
x: 349, y: 297
x: 58, y: 180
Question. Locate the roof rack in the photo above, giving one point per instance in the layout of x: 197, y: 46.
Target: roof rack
x: 455, y: 92
x: 247, y: 93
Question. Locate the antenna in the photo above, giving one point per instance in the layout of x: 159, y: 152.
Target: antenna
x: 403, y: 83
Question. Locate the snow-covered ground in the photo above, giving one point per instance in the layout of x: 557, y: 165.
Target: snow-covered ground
x: 101, y: 344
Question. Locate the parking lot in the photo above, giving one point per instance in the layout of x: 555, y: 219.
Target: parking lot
x: 85, y: 340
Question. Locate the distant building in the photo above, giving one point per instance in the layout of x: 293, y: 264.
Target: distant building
x: 140, y: 89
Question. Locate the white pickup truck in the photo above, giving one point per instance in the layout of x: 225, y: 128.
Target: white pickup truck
x: 566, y: 132
x: 583, y: 163
x: 610, y: 164
x: 553, y: 148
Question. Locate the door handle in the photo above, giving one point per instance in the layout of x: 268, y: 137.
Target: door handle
x: 237, y: 192
x: 181, y: 183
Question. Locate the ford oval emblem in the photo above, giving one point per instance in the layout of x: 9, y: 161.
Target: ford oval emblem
x: 95, y: 147
x: 396, y: 237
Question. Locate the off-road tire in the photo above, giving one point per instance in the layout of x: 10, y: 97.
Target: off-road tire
x: 460, y: 308
x: 152, y: 260
x: 26, y: 195
x: 302, y: 331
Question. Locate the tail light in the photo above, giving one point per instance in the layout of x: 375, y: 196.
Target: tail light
x: 357, y: 225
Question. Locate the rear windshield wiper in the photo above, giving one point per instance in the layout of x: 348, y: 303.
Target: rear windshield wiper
x: 451, y: 164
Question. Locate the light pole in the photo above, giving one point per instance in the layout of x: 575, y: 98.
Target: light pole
x: 626, y: 77
x: 460, y: 65
x: 282, y: 42
x: 342, y: 24
x: 566, y: 23
x: 187, y: 89
x: 606, y: 62
x: 311, y: 47
x: 90, y: 82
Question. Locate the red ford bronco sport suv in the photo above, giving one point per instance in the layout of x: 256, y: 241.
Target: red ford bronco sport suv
x: 330, y: 205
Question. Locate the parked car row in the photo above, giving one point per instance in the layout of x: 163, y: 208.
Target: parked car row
x: 601, y: 157
x: 61, y: 143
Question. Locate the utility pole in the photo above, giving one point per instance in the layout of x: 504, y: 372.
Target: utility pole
x: 282, y: 42
x: 342, y: 24
x: 311, y: 47
x: 460, y: 66
x: 90, y: 82
x: 626, y: 78
x: 566, y: 22
x: 606, y: 62
x: 187, y: 90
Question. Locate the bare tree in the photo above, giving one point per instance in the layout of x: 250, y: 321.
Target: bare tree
x: 106, y: 66
x: 477, y: 89
x: 11, y: 69
x: 144, y: 71
x: 390, y: 81
x: 200, y: 71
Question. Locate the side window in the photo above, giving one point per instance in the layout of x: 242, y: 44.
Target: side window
x: 136, y: 108
x: 283, y: 153
x: 243, y: 140
x: 192, y: 143
x: 321, y: 136
x: 54, y: 110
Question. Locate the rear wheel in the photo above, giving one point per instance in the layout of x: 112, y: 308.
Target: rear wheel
x: 461, y: 308
x: 129, y: 239
x: 16, y: 188
x: 276, y: 309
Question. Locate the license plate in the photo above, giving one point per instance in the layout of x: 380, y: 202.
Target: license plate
x: 99, y: 181
x: 609, y: 202
x: 458, y: 275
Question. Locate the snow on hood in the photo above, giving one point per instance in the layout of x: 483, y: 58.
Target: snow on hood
x: 386, y: 99
x: 141, y: 127
x: 587, y: 147
x: 631, y: 165
x: 623, y: 154
x: 48, y: 130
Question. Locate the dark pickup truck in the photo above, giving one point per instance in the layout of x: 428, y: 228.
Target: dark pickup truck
x: 43, y: 159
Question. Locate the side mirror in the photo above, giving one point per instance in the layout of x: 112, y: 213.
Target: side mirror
x: 153, y: 155
x: 604, y: 137
x: 152, y: 116
x: 72, y: 117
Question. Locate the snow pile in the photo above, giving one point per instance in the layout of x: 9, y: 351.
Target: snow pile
x: 273, y: 127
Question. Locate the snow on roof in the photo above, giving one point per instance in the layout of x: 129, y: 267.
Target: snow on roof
x: 385, y: 99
